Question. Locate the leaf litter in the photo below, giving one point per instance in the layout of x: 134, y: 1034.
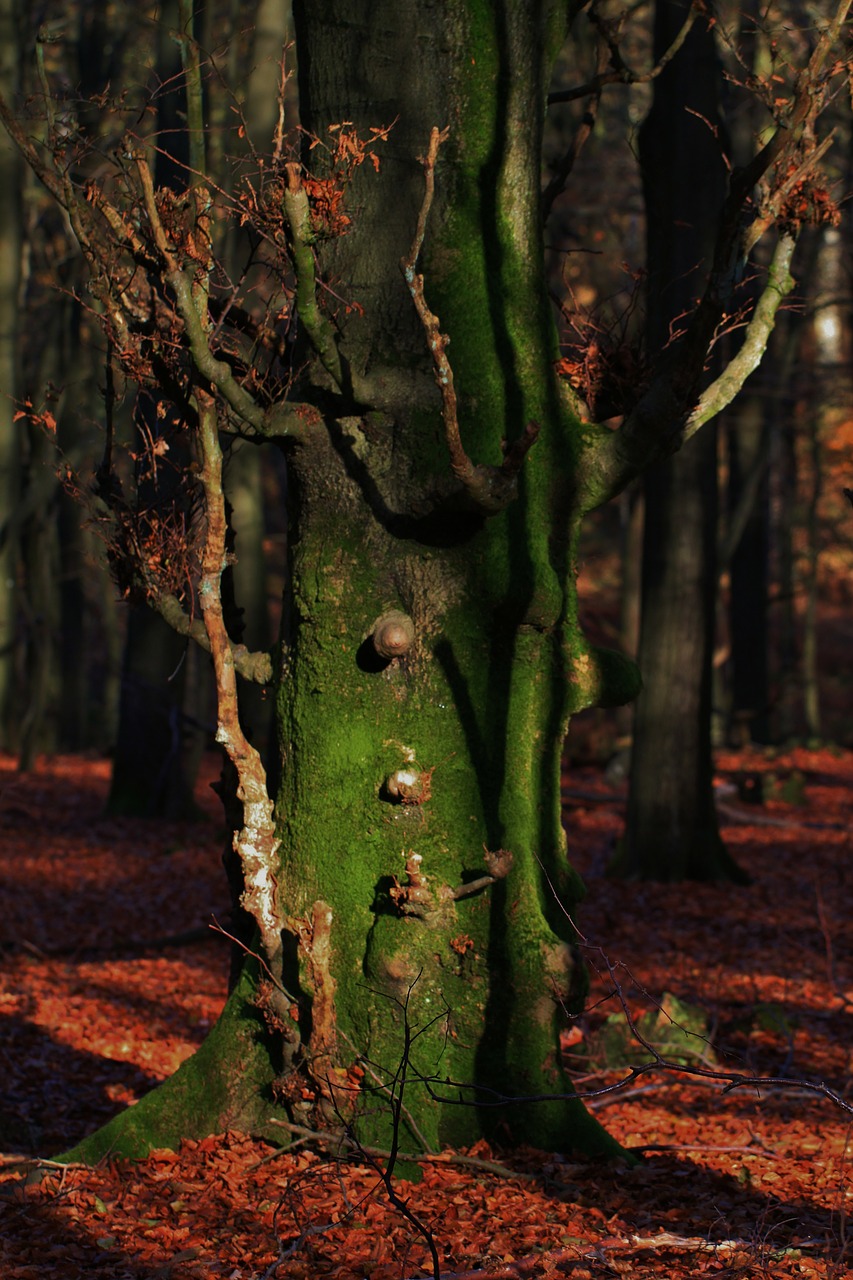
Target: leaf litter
x: 111, y: 977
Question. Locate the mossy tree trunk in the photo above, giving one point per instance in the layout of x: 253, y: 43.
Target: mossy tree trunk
x: 423, y: 868
x: 412, y: 893
x: 476, y: 710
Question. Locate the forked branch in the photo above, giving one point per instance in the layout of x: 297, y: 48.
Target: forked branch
x: 321, y: 334
x: 618, y: 71
x: 723, y: 389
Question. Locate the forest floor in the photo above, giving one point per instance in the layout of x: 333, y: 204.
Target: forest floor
x: 750, y: 1182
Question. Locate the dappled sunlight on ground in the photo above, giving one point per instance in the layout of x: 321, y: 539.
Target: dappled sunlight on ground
x: 111, y: 977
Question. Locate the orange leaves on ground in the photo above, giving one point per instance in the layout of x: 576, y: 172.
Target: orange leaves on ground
x: 740, y: 1186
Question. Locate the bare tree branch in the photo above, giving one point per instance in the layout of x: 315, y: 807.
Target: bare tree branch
x: 723, y: 389
x: 319, y: 329
x: 620, y: 72
x: 563, y: 169
x: 256, y: 843
x: 490, y: 488
x: 256, y: 667
x: 217, y: 372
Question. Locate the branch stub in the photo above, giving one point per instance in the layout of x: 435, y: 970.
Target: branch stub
x: 393, y: 634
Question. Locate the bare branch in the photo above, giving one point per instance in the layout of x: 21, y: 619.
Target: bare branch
x: 217, y: 372
x: 723, y: 389
x: 472, y: 886
x: 557, y: 185
x: 620, y: 72
x: 256, y: 843
x: 319, y: 329
x: 338, y: 1141
x: 490, y: 488
x: 661, y: 422
x: 461, y: 464
x: 256, y: 667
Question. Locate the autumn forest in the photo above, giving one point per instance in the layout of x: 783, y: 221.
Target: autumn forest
x: 426, y: 605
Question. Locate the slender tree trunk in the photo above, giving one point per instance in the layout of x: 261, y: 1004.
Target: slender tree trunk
x: 671, y: 828
x: 632, y: 518
x: 82, y: 402
x: 749, y: 457
x: 811, y: 662
x: 40, y: 608
x: 783, y: 505
x: 11, y: 177
x: 830, y: 380
x: 150, y: 776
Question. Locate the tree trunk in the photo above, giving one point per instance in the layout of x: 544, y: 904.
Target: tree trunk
x: 412, y: 895
x: 10, y: 463
x: 160, y: 737
x: 423, y: 862
x: 749, y: 456
x: 671, y: 827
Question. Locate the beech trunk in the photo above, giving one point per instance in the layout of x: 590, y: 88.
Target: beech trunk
x: 405, y: 781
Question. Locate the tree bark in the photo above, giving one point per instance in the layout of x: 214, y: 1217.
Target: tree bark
x: 477, y: 709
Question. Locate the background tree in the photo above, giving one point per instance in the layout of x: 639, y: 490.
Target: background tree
x: 11, y: 216
x: 671, y: 826
x: 411, y: 893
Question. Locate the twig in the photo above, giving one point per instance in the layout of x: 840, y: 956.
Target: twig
x: 826, y: 932
x: 385, y: 1088
x: 387, y: 1174
x: 563, y: 170
x: 472, y: 886
x: 702, y: 1146
x: 550, y: 1260
x: 337, y: 1140
x: 723, y: 389
x: 461, y: 464
x: 12, y: 1159
x: 216, y: 927
x: 486, y: 1096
